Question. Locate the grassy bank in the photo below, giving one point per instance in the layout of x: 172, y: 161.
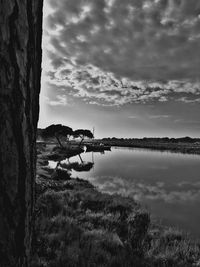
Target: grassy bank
x: 76, y: 225
x: 183, y: 145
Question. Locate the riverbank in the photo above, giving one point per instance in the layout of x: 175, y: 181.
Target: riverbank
x: 182, y: 145
x: 76, y: 225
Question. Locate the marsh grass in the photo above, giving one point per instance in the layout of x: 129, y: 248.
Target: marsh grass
x: 82, y: 227
x: 78, y: 226
x: 171, y: 247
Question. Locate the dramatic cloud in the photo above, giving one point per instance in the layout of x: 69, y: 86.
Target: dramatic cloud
x: 95, y: 86
x: 152, y: 46
x: 133, y: 63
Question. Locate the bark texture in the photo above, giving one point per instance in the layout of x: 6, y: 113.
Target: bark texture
x: 20, y: 69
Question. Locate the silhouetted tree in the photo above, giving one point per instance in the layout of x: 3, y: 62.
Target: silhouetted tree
x: 82, y: 134
x: 57, y: 130
x: 78, y: 167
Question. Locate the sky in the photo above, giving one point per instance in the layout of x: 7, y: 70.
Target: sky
x: 127, y: 68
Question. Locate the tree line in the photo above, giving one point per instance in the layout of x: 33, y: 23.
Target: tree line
x: 185, y: 139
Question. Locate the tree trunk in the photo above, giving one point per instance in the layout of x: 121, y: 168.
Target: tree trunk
x: 81, y: 141
x: 20, y: 69
x: 57, y: 138
x: 80, y: 158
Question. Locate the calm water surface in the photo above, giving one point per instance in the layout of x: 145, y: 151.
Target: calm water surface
x: 167, y: 183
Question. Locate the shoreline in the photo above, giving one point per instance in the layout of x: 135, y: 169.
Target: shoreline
x: 185, y: 148
x: 78, y: 225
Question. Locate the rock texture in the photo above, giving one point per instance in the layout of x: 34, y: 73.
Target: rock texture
x: 20, y: 69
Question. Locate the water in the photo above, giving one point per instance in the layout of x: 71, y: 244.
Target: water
x: 168, y: 184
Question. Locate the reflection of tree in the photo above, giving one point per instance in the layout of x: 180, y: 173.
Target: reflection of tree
x: 77, y: 166
x: 60, y: 154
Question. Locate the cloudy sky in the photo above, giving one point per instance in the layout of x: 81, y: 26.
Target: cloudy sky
x: 128, y: 68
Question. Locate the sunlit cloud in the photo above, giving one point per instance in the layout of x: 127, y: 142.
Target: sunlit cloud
x: 94, y: 85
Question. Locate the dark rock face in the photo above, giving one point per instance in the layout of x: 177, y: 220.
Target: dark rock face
x: 20, y: 69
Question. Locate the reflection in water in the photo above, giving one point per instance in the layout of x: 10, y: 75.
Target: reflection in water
x: 142, y: 191
x: 168, y: 183
x: 76, y: 166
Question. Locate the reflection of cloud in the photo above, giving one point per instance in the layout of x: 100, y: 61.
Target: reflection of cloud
x: 186, y: 121
x: 191, y: 186
x: 189, y: 100
x: 179, y: 193
x: 92, y: 45
x: 159, y: 116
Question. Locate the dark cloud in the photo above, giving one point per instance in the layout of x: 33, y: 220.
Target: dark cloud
x: 153, y: 45
x: 138, y: 39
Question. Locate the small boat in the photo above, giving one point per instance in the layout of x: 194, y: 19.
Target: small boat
x: 97, y: 147
x: 107, y: 148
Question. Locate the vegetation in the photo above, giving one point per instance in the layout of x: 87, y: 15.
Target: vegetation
x: 78, y: 167
x: 185, y: 139
x: 79, y: 226
x: 57, y: 130
x: 60, y: 131
x: 82, y: 134
x: 183, y: 145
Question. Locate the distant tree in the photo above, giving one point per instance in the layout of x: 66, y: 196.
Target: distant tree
x: 165, y: 139
x: 57, y: 130
x: 82, y: 134
x: 186, y: 139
